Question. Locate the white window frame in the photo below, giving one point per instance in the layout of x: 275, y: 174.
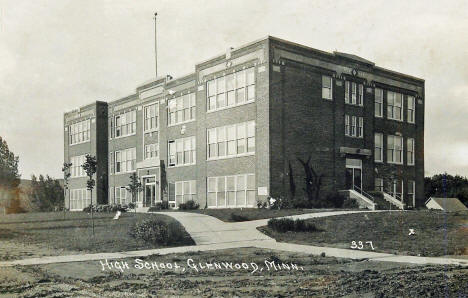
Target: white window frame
x: 347, y: 92
x: 378, y: 102
x: 360, y: 127
x: 245, y: 191
x: 151, y: 151
x: 411, y: 105
x: 76, y: 169
x: 377, y: 147
x: 411, y: 192
x: 79, y: 199
x: 79, y: 132
x: 244, y: 83
x: 353, y: 93
x: 327, y: 91
x: 395, y: 150
x: 181, y: 109
x: 124, y: 197
x: 124, y: 164
x: 151, y: 117
x: 220, y: 140
x: 180, y: 191
x: 182, y: 152
x: 394, y: 109
x: 361, y: 95
x: 410, y: 151
x: 347, y: 125
x: 127, y: 120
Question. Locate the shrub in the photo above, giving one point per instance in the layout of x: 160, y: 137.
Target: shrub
x: 131, y: 205
x: 350, y: 204
x: 157, y: 231
x: 281, y: 203
x: 159, y: 206
x: 286, y: 224
x: 334, y: 200
x: 238, y: 217
x: 189, y: 205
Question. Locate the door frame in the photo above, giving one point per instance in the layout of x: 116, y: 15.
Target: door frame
x: 354, y: 167
x: 157, y: 197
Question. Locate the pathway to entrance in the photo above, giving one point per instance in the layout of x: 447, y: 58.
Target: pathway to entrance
x: 210, y: 233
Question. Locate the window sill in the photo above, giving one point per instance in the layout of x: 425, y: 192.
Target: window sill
x: 151, y: 131
x: 380, y: 117
x: 395, y: 163
x: 378, y: 161
x: 120, y: 137
x: 180, y: 166
x: 354, y: 104
x: 410, y: 165
x: 397, y: 120
x: 231, y: 156
x: 181, y: 123
x: 230, y: 107
x: 88, y: 141
x: 123, y: 173
x: 354, y: 137
x: 329, y: 99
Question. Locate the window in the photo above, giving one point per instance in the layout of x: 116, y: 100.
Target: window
x: 231, y: 90
x: 411, y: 108
x: 181, y: 109
x: 411, y: 193
x: 395, y: 149
x: 151, y: 151
x: 122, y: 196
x: 347, y: 89
x: 231, y: 140
x: 379, y: 184
x: 353, y: 126
x: 378, y: 102
x: 395, y: 189
x: 151, y: 117
x: 378, y: 147
x: 360, y: 130
x: 327, y: 90
x: 125, y: 124
x: 125, y: 160
x: 361, y: 95
x: 76, y: 170
x: 353, y: 93
x: 182, y: 152
x: 410, y: 151
x: 79, y: 132
x: 79, y: 199
x: 231, y: 191
x: 185, y: 191
x: 347, y: 126
x: 394, y: 106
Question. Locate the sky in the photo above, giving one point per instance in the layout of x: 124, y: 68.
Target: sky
x: 58, y: 55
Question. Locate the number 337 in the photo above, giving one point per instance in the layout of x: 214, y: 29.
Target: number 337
x: 360, y: 244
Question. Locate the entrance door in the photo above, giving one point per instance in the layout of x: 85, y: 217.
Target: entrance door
x: 150, y: 192
x: 353, y: 173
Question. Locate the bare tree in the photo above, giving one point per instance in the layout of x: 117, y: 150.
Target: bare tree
x: 312, y: 180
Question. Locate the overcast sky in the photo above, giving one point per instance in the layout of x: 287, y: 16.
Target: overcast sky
x: 59, y: 55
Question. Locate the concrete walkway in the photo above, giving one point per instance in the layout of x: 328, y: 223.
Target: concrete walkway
x: 210, y: 233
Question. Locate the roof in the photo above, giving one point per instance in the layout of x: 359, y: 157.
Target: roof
x: 353, y: 57
x: 449, y: 204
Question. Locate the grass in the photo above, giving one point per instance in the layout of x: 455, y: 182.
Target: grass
x: 248, y: 214
x: 56, y: 235
x: 317, y: 277
x: 437, y: 233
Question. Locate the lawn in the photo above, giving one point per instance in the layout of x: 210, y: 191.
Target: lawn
x: 316, y: 277
x: 247, y: 214
x: 39, y: 234
x: 436, y: 233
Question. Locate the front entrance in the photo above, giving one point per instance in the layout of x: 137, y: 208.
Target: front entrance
x: 353, y: 174
x: 150, y: 191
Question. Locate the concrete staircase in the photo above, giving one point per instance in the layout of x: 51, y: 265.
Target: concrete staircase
x: 363, y: 199
x: 394, y: 201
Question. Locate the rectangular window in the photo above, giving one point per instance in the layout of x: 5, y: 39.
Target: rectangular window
x: 353, y: 126
x: 361, y: 95
x: 411, y: 201
x: 395, y: 149
x: 394, y: 106
x: 378, y: 102
x: 379, y: 184
x: 360, y: 129
x: 79, y: 199
x: 151, y: 114
x: 353, y: 93
x: 125, y: 160
x: 122, y: 195
x: 411, y: 109
x: 111, y: 162
x: 378, y: 147
x: 231, y: 90
x: 231, y: 140
x: 181, y: 152
x: 76, y: 169
x: 79, y: 132
x: 347, y: 126
x: 410, y: 151
x: 347, y: 91
x: 181, y: 109
x: 327, y: 90
x: 231, y: 191
x: 185, y: 191
x: 151, y: 151
x: 125, y: 124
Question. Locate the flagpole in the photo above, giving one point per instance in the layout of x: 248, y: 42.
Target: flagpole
x: 155, y: 46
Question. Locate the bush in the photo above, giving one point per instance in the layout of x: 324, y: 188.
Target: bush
x: 238, y: 217
x: 131, y: 205
x: 159, y: 206
x: 281, y: 203
x: 189, y: 205
x: 286, y: 224
x: 334, y: 200
x: 350, y: 204
x: 157, y: 231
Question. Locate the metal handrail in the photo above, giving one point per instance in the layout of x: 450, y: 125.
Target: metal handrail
x: 358, y: 189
